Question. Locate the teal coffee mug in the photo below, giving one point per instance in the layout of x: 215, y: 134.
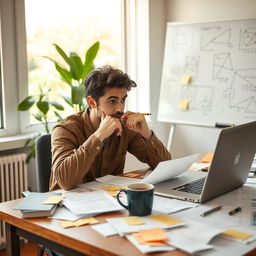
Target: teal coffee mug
x: 139, y: 198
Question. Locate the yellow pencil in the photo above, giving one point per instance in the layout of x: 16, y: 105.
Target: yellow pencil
x: 145, y: 114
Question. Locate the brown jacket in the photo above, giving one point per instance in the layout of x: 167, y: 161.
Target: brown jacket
x: 78, y: 156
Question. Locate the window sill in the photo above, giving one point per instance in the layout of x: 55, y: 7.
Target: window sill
x: 14, y: 142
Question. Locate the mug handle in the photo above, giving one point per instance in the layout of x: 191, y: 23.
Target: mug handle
x: 117, y: 196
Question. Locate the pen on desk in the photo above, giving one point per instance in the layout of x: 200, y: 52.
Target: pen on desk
x: 211, y: 211
x: 237, y: 209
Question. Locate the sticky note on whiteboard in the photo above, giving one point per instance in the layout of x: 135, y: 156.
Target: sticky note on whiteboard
x: 183, y: 104
x: 186, y: 79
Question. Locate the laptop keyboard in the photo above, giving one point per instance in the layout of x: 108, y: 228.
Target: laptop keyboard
x: 194, y: 187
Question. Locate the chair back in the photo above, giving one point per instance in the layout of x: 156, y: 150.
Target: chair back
x: 43, y: 162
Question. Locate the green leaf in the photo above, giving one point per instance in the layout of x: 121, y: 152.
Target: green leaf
x: 59, y: 117
x: 65, y: 74
x: 77, y: 94
x: 63, y: 54
x: 77, y: 66
x: 56, y: 105
x: 68, y: 100
x: 43, y: 106
x: 38, y: 117
x: 89, y: 58
x: 26, y: 104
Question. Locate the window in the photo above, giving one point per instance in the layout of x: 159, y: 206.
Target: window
x: 30, y: 27
x: 49, y: 22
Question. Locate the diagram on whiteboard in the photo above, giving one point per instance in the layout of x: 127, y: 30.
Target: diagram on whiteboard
x: 209, y: 73
x: 243, y: 91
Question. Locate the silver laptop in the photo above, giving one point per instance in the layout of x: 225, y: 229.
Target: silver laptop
x: 229, y: 169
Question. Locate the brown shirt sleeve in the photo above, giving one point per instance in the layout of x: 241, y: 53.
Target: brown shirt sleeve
x: 71, y: 162
x: 150, y: 151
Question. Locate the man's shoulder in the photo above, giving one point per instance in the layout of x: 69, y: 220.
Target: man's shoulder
x: 73, y: 122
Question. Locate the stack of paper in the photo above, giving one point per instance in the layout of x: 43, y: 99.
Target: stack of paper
x: 91, y: 202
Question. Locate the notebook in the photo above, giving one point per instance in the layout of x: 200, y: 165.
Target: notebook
x: 231, y: 163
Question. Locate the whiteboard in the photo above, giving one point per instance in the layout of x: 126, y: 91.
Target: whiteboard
x: 220, y: 57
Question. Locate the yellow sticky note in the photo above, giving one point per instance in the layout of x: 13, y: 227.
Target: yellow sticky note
x: 112, y: 193
x: 154, y: 234
x: 183, y: 104
x: 207, y: 158
x: 67, y: 223
x: 236, y: 234
x: 93, y: 220
x: 186, y: 79
x: 54, y: 199
x: 77, y: 223
x: 110, y: 188
x: 134, y: 221
x: 165, y: 219
x: 82, y: 221
x: 131, y: 174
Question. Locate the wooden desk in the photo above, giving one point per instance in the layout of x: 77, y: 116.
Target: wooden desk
x: 73, y: 241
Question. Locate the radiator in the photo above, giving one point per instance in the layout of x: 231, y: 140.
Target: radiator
x: 13, y: 180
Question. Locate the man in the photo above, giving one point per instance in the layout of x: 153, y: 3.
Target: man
x: 94, y: 142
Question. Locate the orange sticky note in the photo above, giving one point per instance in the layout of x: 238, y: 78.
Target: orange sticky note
x: 139, y: 239
x: 236, y: 234
x: 165, y: 219
x: 154, y: 234
x: 186, y: 79
x: 207, y: 158
x: 183, y: 104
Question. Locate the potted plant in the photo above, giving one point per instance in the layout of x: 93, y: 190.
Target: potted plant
x: 74, y: 76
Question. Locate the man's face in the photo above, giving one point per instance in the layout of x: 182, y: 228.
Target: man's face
x: 112, y: 103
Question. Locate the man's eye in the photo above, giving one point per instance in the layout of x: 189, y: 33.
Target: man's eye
x: 111, y: 102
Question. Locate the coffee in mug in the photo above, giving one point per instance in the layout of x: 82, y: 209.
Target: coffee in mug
x: 139, y: 198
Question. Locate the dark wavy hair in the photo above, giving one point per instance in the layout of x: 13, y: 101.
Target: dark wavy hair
x: 98, y: 80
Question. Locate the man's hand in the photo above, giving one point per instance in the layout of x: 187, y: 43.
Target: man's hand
x: 136, y: 122
x: 108, y: 126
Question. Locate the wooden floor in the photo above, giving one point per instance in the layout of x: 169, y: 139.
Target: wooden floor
x: 29, y: 249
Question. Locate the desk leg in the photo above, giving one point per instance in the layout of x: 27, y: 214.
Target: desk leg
x: 12, y: 241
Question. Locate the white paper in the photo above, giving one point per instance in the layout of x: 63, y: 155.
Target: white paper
x: 193, y: 237
x: 105, y: 229
x: 169, y: 169
x: 189, y: 245
x: 117, y: 180
x: 122, y: 227
x: 146, y: 248
x: 62, y: 213
x: 228, y: 247
x: 168, y: 205
x: 91, y: 202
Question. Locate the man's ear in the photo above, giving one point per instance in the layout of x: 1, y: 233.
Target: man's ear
x: 91, y: 101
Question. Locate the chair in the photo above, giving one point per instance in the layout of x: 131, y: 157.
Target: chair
x: 43, y: 172
x: 43, y: 162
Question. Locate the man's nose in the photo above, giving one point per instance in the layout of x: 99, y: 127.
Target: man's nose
x: 120, y: 107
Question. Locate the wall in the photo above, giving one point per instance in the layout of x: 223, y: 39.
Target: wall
x: 191, y: 139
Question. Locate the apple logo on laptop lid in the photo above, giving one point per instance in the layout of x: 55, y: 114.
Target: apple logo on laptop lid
x: 237, y: 158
